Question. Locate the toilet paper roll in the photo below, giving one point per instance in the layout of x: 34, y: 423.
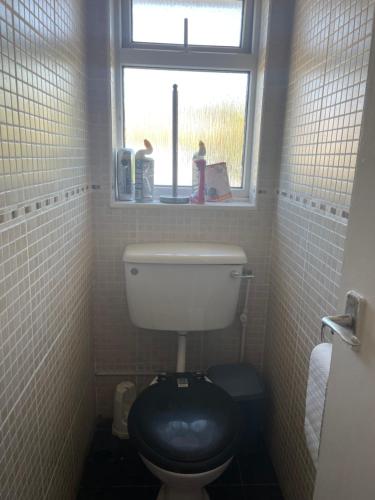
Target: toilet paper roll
x: 320, y: 363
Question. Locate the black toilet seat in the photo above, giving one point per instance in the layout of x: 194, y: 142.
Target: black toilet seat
x: 185, y: 424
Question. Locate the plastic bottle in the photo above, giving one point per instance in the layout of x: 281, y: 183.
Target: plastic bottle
x: 199, y: 171
x: 124, y: 174
x: 144, y: 174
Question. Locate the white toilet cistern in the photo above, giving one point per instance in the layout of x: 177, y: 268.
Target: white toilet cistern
x: 211, y: 275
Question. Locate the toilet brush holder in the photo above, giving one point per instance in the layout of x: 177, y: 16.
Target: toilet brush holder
x: 125, y: 395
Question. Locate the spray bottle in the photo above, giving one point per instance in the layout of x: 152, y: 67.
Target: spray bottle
x: 144, y: 174
x: 199, y: 171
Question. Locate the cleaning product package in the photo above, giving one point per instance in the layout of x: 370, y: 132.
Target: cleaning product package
x: 217, y: 182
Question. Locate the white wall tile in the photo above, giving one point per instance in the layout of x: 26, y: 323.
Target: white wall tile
x: 45, y: 249
x: 327, y: 82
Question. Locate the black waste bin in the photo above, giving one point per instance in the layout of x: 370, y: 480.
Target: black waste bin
x: 247, y: 388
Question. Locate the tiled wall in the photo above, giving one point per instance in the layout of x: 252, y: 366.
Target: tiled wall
x: 46, y: 389
x: 119, y: 346
x: 329, y: 57
x: 46, y: 404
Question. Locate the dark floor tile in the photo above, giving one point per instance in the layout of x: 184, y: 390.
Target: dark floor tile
x: 114, y: 471
x: 118, y: 475
x: 252, y: 447
x: 225, y: 492
x: 127, y: 493
x: 255, y: 445
x: 231, y: 475
x: 113, y: 462
x: 257, y: 468
x: 258, y: 492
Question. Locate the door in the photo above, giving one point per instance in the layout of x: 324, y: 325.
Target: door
x: 346, y: 469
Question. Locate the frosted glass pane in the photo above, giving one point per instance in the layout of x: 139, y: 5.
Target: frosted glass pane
x: 211, y: 22
x: 212, y: 108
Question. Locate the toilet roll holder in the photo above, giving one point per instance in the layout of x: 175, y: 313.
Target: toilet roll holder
x: 346, y: 325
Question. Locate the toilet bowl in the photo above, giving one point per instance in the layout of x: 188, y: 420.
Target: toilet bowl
x: 184, y: 486
x: 186, y: 429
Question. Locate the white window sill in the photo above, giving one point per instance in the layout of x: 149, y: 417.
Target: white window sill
x: 234, y: 204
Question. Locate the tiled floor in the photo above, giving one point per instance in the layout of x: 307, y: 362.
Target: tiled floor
x: 113, y: 471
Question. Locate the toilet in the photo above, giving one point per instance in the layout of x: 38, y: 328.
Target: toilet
x: 186, y: 429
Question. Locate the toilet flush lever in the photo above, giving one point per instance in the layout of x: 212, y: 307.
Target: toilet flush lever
x: 247, y: 275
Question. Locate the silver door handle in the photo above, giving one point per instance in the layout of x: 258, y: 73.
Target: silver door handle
x: 343, y: 326
x: 248, y: 275
x: 346, y: 325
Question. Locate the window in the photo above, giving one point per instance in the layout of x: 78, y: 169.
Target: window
x: 212, y: 23
x: 212, y: 107
x: 212, y: 59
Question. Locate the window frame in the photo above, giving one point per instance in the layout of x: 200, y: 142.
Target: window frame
x: 126, y: 53
x: 246, y: 40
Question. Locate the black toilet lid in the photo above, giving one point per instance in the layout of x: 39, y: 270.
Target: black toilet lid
x: 185, y: 424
